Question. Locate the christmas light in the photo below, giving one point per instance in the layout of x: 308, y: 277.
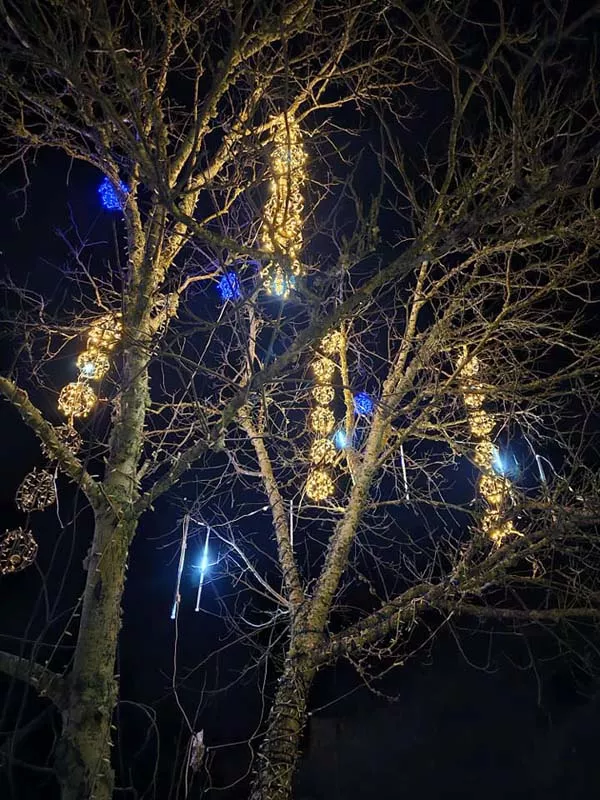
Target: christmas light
x: 322, y: 420
x: 67, y: 436
x: 111, y: 198
x: 93, y: 364
x: 18, y: 550
x: 319, y: 485
x: 332, y: 343
x: 283, y: 213
x: 363, y: 403
x: 341, y: 439
x: 76, y: 400
x: 322, y: 452
x: 105, y: 333
x: 323, y: 394
x: 323, y: 369
x: 36, y: 492
x: 229, y: 287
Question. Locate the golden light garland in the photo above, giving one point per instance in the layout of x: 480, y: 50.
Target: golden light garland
x: 67, y: 436
x: 36, y: 492
x: 319, y: 484
x: 105, y: 333
x: 18, y: 550
x: 76, y: 400
x: 492, y: 487
x: 283, y: 213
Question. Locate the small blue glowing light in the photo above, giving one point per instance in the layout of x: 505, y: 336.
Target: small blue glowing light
x: 341, y: 439
x: 503, y: 465
x: 204, y: 563
x: 229, y: 287
x: 111, y: 199
x: 363, y: 403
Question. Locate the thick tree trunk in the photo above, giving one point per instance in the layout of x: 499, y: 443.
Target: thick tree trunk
x: 280, y: 749
x: 83, y: 754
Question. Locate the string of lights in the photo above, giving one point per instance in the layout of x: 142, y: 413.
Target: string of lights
x: 493, y: 488
x: 322, y: 454
x: 283, y: 212
x: 78, y: 399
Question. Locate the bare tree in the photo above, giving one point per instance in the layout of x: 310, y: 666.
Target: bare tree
x: 428, y: 320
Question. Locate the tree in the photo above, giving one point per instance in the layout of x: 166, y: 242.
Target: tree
x: 452, y: 311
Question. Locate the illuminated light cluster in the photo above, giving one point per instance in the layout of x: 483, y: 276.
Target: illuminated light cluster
x: 493, y: 488
x: 363, y: 403
x: 283, y: 213
x: 93, y: 364
x: 36, y: 492
x: 78, y: 399
x: 111, y: 198
x: 322, y: 452
x: 18, y: 550
x: 229, y: 287
x: 319, y: 484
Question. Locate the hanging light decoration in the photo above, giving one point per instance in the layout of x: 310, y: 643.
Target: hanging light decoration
x: 322, y: 454
x: 112, y: 199
x: 229, y: 287
x: 363, y: 403
x: 67, y: 436
x: 76, y: 400
x: 283, y: 213
x: 36, y: 492
x: 105, y: 333
x: 18, y: 550
x: 93, y: 364
x: 493, y: 488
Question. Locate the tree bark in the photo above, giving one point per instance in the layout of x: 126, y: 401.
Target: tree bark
x: 280, y: 749
x: 83, y: 754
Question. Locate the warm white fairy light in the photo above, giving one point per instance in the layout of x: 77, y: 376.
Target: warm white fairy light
x: 105, y: 333
x: 18, y: 550
x: 322, y: 420
x: 93, y: 364
x: 283, y: 213
x: 319, y: 485
x: 492, y: 487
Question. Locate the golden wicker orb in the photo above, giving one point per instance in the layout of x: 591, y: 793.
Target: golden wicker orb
x: 322, y: 420
x: 18, y: 550
x: 481, y: 423
x: 332, y: 343
x: 36, y: 492
x: 322, y: 452
x: 323, y: 394
x: 93, y: 364
x: 67, y: 436
x: 76, y: 399
x: 319, y: 485
x: 323, y: 369
x: 106, y: 332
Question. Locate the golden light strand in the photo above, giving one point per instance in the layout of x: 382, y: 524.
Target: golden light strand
x: 283, y: 212
x: 492, y: 487
x: 322, y: 454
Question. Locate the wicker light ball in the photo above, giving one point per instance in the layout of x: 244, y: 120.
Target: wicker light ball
x: 18, y: 550
x: 36, y: 492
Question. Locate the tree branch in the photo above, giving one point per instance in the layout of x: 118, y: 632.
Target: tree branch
x: 45, y: 682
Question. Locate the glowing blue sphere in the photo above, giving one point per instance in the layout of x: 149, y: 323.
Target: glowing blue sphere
x: 363, y: 403
x: 229, y: 287
x: 111, y: 199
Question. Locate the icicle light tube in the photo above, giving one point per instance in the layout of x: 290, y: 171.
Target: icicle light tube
x: 283, y: 212
x: 492, y: 487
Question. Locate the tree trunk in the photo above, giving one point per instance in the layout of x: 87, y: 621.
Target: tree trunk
x: 83, y: 753
x: 280, y: 749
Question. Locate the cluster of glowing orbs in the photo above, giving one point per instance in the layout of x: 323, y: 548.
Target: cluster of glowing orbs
x: 319, y: 485
x: 363, y: 403
x: 105, y: 333
x: 323, y: 452
x: 492, y: 488
x: 322, y: 420
x: 36, y: 492
x: 229, y: 287
x: 473, y: 396
x: 93, y: 364
x: 112, y: 199
x: 283, y: 212
x: 76, y: 399
x: 481, y: 423
x: 18, y: 550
